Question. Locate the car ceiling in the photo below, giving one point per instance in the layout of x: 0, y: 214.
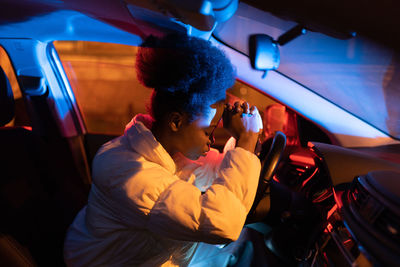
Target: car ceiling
x: 377, y: 19
x: 113, y: 12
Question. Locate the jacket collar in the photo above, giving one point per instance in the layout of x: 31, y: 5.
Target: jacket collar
x: 142, y: 140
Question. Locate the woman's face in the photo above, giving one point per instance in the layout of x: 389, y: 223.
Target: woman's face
x: 195, y: 136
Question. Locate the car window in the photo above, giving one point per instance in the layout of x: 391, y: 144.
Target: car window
x: 357, y: 74
x: 21, y: 117
x: 103, y: 78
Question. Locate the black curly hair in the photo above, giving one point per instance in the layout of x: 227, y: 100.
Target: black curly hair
x: 188, y: 74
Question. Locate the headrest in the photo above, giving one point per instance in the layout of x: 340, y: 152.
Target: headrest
x: 7, y: 108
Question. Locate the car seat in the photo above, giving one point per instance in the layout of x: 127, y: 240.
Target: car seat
x: 36, y: 201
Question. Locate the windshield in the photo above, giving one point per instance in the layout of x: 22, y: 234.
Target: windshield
x: 357, y: 74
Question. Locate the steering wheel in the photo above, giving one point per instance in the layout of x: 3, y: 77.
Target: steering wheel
x: 261, y: 204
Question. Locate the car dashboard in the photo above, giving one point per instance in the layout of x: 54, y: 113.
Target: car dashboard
x: 356, y: 198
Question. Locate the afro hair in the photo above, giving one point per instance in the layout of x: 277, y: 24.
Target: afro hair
x: 187, y: 74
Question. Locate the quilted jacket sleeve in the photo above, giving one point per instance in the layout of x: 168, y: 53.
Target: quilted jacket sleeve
x: 217, y: 216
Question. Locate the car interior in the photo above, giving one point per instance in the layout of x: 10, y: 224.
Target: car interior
x: 67, y: 89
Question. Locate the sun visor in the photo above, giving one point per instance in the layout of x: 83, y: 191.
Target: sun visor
x: 202, y: 15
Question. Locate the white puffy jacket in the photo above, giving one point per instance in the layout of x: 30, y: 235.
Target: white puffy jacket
x: 143, y: 210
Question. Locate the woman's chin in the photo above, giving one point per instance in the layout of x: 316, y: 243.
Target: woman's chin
x: 196, y: 156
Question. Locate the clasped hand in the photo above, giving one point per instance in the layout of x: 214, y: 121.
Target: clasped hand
x: 242, y: 121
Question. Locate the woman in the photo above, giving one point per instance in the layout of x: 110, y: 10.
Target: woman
x: 144, y: 208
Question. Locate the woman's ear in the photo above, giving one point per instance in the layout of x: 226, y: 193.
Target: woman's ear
x: 175, y: 121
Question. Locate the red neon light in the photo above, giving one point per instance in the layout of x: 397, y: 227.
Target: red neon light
x: 304, y: 159
x: 338, y: 198
x: 347, y: 242
x: 309, y: 178
x: 326, y: 257
x: 331, y: 211
x: 329, y: 227
x: 323, y: 196
x: 275, y: 179
x: 301, y: 170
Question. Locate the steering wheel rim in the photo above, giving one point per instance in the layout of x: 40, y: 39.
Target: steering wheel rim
x: 269, y: 164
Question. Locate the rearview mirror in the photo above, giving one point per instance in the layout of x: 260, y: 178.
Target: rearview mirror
x: 263, y: 52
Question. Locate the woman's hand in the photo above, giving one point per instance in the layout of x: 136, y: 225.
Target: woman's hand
x: 243, y: 123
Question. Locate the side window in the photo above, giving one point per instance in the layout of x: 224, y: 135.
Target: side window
x: 243, y: 92
x: 21, y: 117
x: 103, y: 78
x: 277, y: 117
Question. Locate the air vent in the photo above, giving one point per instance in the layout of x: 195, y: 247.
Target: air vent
x: 372, y: 215
x: 389, y: 224
x: 359, y: 195
x: 374, y: 211
x: 366, y: 205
